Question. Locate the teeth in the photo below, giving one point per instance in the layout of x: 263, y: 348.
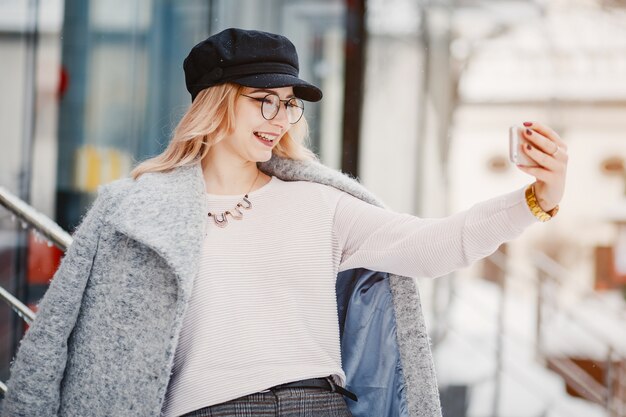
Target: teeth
x: 264, y: 136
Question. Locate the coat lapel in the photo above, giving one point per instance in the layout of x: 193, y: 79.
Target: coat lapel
x: 166, y: 212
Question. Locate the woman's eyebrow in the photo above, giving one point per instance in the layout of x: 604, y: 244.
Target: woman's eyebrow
x: 262, y: 90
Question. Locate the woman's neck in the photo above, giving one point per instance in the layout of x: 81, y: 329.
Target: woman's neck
x: 230, y: 179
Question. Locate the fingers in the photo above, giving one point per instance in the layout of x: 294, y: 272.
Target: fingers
x: 548, y: 151
x: 540, y: 141
x: 537, y: 154
x: 546, y: 132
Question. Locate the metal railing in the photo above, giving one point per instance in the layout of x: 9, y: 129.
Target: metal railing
x: 42, y: 226
x: 612, y: 394
x: 20, y: 308
x: 28, y: 216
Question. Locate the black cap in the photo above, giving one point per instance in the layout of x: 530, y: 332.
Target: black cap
x: 246, y: 57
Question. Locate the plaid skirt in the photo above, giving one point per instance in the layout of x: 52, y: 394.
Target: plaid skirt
x: 285, y: 402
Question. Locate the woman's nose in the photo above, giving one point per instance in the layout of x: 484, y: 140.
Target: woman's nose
x: 281, y: 118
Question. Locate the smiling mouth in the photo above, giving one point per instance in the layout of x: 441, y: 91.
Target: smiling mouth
x: 269, y: 139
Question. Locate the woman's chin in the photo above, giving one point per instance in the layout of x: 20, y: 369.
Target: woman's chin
x: 262, y: 156
x: 266, y: 158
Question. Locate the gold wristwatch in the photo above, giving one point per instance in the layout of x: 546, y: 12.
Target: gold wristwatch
x: 535, y: 208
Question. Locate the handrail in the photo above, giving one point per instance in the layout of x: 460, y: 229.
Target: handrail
x: 580, y: 380
x: 611, y: 399
x: 40, y: 222
x: 497, y: 259
x: 573, y: 370
x: 20, y: 308
x: 554, y: 269
x: 43, y: 225
x: 513, y: 371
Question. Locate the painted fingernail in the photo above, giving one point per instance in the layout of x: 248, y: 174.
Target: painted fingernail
x: 529, y: 132
x: 528, y: 124
x: 528, y: 147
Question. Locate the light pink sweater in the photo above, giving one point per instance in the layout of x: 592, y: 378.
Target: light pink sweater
x: 263, y: 309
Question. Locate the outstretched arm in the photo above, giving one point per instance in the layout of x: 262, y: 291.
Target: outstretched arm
x: 403, y: 244
x: 374, y: 238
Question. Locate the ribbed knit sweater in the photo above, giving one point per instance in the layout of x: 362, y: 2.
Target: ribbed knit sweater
x: 263, y: 309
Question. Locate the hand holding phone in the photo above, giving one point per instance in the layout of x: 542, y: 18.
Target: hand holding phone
x: 516, y: 141
x: 539, y: 151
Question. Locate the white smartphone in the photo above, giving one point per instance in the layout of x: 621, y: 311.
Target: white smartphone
x: 516, y: 141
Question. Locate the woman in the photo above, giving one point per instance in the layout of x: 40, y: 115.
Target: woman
x: 234, y: 275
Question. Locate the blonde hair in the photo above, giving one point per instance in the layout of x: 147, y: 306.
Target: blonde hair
x: 209, y: 119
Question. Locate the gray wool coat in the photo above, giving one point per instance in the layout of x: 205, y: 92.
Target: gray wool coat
x: 105, y: 335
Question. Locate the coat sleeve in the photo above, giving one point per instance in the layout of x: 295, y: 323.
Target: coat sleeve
x: 382, y: 240
x: 38, y: 368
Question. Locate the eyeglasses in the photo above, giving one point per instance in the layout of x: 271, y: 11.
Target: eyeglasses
x: 270, y: 106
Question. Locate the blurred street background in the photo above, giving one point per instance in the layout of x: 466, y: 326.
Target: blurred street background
x: 418, y: 100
